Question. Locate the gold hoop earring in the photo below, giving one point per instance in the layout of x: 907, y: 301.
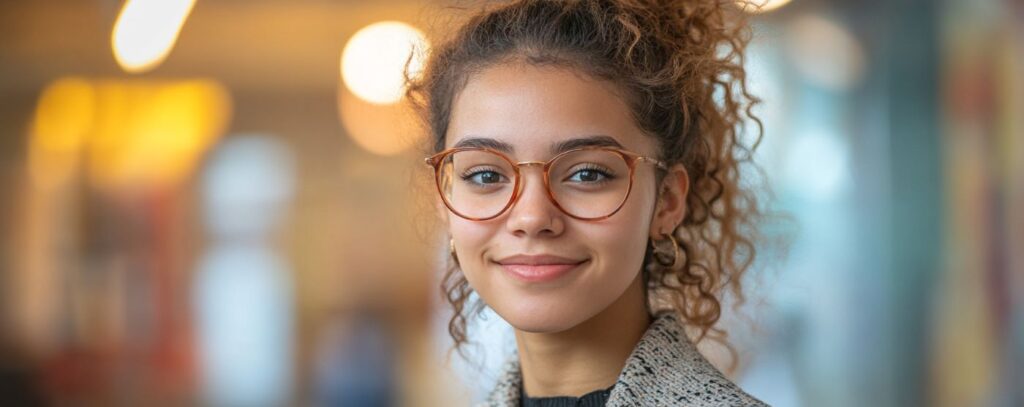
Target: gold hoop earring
x: 451, y: 250
x: 661, y: 255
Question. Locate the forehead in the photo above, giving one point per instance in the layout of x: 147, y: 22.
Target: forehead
x: 534, y: 108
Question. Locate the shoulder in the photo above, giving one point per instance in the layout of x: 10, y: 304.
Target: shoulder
x: 666, y: 369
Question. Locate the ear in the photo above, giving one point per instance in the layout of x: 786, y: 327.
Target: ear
x: 671, y: 205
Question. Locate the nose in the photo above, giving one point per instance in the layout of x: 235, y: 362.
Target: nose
x: 533, y: 213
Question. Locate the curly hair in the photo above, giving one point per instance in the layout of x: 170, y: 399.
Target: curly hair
x: 679, y: 65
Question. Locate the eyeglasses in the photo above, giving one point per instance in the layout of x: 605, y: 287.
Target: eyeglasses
x: 590, y: 183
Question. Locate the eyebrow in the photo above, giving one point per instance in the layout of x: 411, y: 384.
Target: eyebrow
x: 597, y: 140
x: 483, y: 142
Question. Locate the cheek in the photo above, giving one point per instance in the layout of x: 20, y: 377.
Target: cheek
x: 631, y: 225
x: 470, y: 238
x: 622, y: 239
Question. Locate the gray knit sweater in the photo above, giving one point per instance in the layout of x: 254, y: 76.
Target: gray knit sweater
x: 665, y: 369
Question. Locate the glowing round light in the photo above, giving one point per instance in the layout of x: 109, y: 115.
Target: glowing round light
x: 373, y: 61
x: 762, y: 6
x: 146, y: 30
x: 380, y: 129
x: 825, y: 53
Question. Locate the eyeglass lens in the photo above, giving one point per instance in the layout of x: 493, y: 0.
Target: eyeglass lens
x: 590, y: 183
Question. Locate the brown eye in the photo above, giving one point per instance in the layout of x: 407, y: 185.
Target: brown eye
x: 590, y: 174
x: 485, y: 177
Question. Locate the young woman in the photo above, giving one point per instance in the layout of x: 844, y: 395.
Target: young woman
x: 587, y: 154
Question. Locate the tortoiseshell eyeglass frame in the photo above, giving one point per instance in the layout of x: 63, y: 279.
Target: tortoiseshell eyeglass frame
x: 629, y: 157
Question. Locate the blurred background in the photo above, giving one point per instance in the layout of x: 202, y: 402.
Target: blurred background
x: 215, y: 202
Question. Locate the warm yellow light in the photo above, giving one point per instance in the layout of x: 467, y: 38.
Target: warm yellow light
x: 146, y: 30
x: 63, y: 119
x: 132, y: 133
x: 762, y: 6
x: 380, y: 129
x: 374, y: 60
x: 152, y: 134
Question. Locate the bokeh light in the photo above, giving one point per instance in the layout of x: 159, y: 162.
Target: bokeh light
x: 816, y: 167
x: 151, y: 133
x: 131, y: 133
x: 825, y: 53
x: 64, y: 116
x: 762, y: 6
x: 380, y: 129
x: 243, y: 293
x: 249, y: 180
x: 374, y: 60
x: 146, y: 30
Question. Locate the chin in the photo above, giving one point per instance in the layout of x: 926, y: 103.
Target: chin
x: 542, y: 318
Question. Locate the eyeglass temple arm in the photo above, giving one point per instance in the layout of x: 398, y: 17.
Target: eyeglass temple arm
x: 658, y: 163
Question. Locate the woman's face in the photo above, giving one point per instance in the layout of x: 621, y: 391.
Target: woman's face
x: 531, y: 109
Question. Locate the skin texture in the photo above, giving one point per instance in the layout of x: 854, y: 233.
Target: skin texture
x: 574, y: 333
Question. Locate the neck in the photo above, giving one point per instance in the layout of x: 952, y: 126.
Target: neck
x: 586, y: 357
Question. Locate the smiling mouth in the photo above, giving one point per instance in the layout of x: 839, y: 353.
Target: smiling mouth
x: 535, y: 273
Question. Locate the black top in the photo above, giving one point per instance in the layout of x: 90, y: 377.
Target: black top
x: 596, y: 398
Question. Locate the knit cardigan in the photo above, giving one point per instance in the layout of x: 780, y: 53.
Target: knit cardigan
x: 665, y: 369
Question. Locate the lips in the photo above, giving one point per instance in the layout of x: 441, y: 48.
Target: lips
x: 538, y: 268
